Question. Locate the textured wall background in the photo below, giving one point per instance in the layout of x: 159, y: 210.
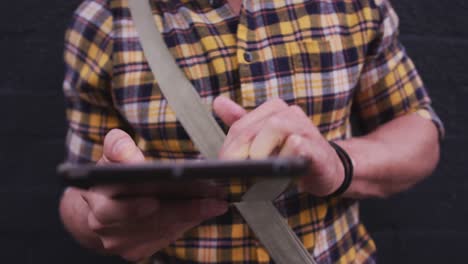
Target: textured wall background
x: 427, y: 224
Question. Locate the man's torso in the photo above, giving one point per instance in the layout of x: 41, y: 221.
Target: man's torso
x: 308, y: 53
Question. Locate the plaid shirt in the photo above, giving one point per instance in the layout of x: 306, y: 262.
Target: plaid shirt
x: 330, y: 57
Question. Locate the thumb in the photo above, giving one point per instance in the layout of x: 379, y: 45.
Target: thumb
x: 228, y: 110
x: 119, y: 147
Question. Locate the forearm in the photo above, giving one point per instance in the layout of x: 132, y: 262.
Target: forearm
x: 392, y: 158
x: 74, y: 213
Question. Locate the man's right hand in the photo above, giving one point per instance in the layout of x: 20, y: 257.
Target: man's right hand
x: 128, y: 220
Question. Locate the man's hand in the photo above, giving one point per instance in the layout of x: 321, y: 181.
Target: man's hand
x: 275, y: 128
x: 128, y: 220
x: 390, y: 159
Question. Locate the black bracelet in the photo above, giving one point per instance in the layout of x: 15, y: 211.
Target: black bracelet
x: 348, y: 170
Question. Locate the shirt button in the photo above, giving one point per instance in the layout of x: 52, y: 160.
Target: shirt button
x: 248, y: 57
x: 216, y: 3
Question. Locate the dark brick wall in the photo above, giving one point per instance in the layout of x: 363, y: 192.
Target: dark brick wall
x: 32, y: 133
x: 426, y: 224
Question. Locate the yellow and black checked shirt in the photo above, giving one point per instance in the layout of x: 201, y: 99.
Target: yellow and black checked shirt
x: 330, y: 57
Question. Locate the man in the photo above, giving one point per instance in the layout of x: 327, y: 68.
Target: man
x: 294, y: 72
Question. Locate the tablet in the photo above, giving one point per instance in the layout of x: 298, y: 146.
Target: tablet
x: 84, y: 176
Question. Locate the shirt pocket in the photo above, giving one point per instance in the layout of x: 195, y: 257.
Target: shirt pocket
x: 327, y: 65
x: 325, y: 74
x: 307, y: 55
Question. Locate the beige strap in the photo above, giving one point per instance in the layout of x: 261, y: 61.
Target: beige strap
x: 273, y: 231
x: 257, y: 207
x: 179, y: 92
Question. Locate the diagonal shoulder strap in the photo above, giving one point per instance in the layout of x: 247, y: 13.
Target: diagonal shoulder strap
x: 257, y: 208
x: 177, y: 89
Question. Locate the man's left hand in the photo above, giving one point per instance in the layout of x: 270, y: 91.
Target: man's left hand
x: 276, y: 129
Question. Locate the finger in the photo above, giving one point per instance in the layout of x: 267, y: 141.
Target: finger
x: 136, y: 244
x: 149, y: 244
x: 173, y: 216
x: 269, y: 138
x: 237, y: 143
x: 119, y: 147
x: 228, y: 110
x: 276, y: 129
x: 294, y: 146
x: 192, y: 210
x: 108, y: 211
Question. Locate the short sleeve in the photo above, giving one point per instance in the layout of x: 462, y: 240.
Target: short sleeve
x: 88, y: 72
x: 390, y: 85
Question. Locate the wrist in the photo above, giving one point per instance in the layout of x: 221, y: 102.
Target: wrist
x: 345, y: 171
